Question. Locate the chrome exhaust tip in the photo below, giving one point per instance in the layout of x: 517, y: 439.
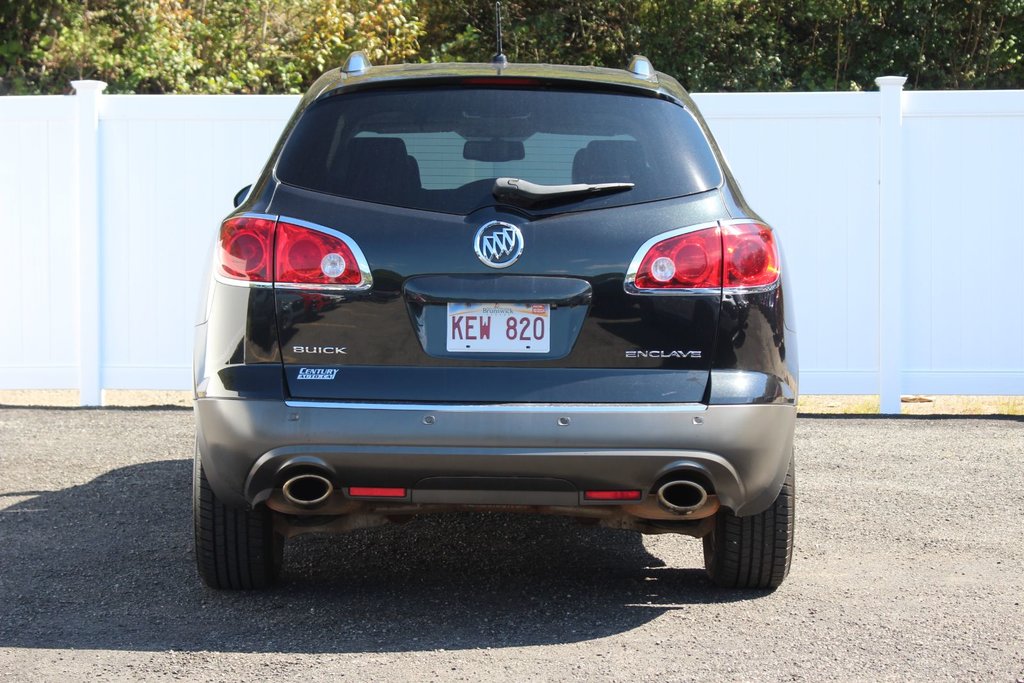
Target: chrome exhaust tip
x: 307, y: 490
x: 682, y: 497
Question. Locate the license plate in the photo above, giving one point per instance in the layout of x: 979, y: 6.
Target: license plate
x: 499, y: 328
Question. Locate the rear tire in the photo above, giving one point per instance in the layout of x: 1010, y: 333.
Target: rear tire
x: 755, y: 551
x: 236, y: 549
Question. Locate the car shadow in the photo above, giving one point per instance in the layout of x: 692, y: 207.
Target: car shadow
x: 109, y: 565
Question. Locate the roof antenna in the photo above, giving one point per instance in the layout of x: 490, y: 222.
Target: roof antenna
x: 499, y: 59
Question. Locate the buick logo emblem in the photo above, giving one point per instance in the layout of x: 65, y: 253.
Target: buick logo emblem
x: 498, y: 244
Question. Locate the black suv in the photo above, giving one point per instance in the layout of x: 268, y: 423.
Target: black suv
x: 495, y: 287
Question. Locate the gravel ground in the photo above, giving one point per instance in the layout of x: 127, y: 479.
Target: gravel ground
x: 901, y: 571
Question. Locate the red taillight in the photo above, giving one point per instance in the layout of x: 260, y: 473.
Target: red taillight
x: 751, y: 257
x: 376, y: 492
x: 246, y: 245
x: 734, y: 256
x: 611, y: 495
x: 689, y: 261
x: 307, y: 256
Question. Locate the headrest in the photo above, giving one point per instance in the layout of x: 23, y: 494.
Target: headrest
x: 377, y: 169
x: 609, y: 161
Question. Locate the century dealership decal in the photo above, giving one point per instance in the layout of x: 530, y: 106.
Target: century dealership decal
x: 317, y: 373
x: 498, y: 244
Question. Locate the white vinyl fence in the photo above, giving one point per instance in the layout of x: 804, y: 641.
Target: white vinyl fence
x: 896, y: 210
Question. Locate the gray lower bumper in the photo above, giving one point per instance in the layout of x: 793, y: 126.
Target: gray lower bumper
x: 744, y: 450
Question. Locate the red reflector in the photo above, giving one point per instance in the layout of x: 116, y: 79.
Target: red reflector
x: 611, y: 495
x: 246, y: 244
x: 376, y: 492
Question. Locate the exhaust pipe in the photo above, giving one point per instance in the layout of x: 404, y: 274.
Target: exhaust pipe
x: 307, y: 490
x: 682, y: 497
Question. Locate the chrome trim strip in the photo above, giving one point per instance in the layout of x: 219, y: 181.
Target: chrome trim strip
x: 750, y: 290
x: 224, y: 280
x: 251, y: 214
x: 309, y: 286
x: 509, y: 407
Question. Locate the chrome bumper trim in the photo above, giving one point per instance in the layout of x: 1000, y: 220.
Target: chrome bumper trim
x: 509, y: 407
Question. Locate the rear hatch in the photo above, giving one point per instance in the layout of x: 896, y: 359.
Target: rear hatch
x: 488, y: 295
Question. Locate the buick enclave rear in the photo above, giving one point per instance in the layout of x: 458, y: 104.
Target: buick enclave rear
x: 525, y: 288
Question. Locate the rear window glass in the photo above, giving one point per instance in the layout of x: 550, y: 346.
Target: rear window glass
x: 441, y: 149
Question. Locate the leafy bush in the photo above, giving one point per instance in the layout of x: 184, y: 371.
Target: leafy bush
x: 281, y: 46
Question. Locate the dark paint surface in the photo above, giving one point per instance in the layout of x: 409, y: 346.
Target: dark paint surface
x: 389, y: 333
x: 563, y: 256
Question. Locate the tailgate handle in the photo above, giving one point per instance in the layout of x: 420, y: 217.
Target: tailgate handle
x: 440, y: 289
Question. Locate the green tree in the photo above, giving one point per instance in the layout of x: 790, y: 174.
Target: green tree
x: 594, y: 32
x: 837, y: 44
x: 156, y: 46
x: 28, y: 28
x: 283, y: 45
x: 751, y: 44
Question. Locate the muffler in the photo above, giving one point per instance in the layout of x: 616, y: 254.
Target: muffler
x: 682, y: 496
x: 307, y: 490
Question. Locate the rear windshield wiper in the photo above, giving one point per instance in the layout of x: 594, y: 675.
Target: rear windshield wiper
x: 524, y: 193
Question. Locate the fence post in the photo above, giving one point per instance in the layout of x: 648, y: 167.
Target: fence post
x: 87, y: 96
x: 890, y: 244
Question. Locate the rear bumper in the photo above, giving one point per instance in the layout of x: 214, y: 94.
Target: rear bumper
x: 743, y: 450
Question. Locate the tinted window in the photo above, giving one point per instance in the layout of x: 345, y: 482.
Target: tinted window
x: 441, y: 149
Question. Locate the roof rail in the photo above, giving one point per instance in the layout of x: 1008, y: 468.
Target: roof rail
x: 356, y: 63
x: 641, y: 67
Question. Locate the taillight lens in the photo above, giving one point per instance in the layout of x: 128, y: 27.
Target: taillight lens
x: 307, y: 256
x: 689, y: 261
x: 246, y: 245
x: 751, y: 257
x: 259, y: 249
x: 734, y: 256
